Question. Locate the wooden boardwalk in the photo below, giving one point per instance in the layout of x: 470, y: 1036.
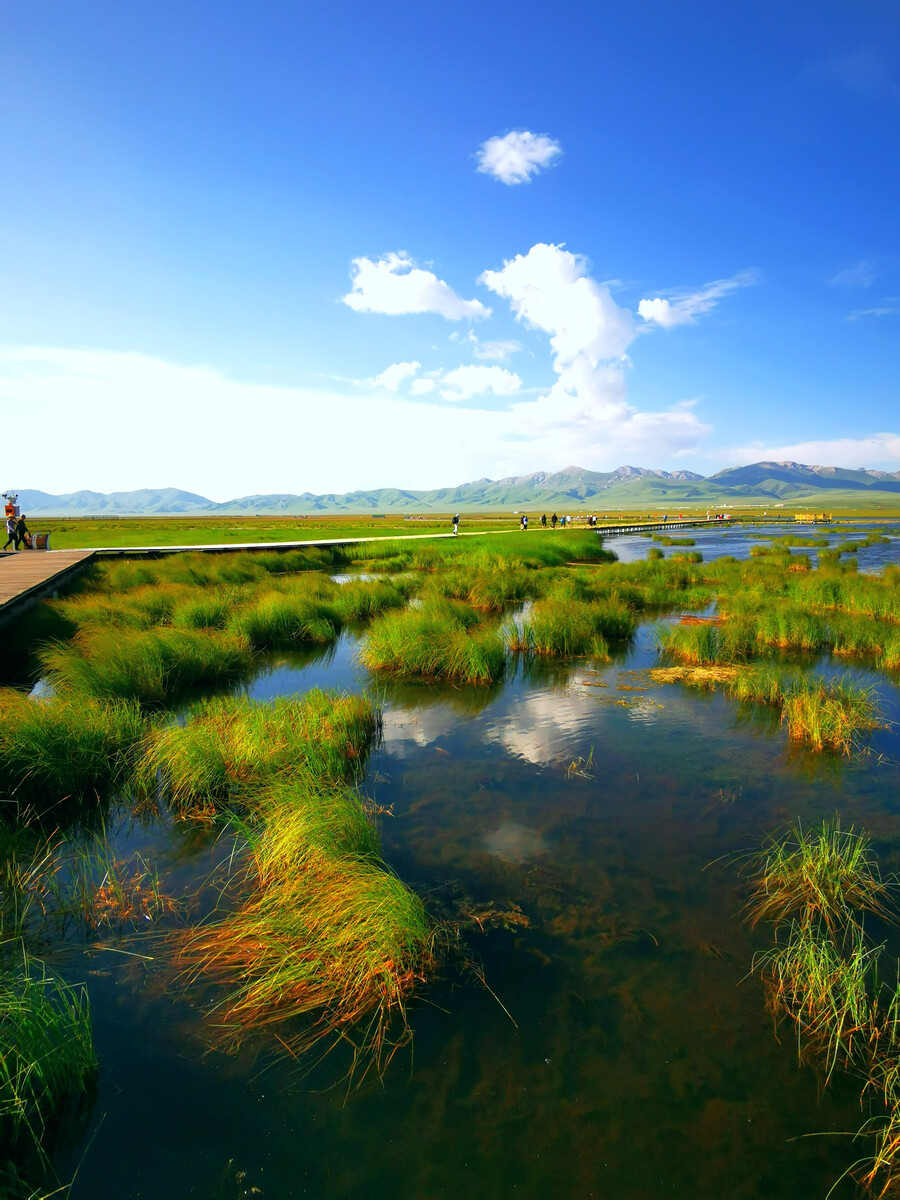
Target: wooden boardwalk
x: 30, y: 575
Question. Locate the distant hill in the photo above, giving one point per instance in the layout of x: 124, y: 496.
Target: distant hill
x: 572, y: 487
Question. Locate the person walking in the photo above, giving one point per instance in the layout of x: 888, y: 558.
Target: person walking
x: 543, y: 520
x: 23, y: 536
x: 10, y: 532
x: 523, y: 522
x: 553, y: 520
x: 456, y: 524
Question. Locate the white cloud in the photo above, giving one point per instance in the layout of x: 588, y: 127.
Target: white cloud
x: 464, y: 382
x: 876, y: 450
x: 684, y: 308
x: 391, y: 377
x: 517, y: 156
x: 421, y: 387
x: 394, y: 285
x: 586, y: 409
x: 861, y: 274
x: 550, y: 289
x: 889, y: 309
x: 104, y: 401
x: 497, y: 351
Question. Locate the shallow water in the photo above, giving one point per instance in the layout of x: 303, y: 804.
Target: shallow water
x: 619, y: 1049
x: 737, y: 540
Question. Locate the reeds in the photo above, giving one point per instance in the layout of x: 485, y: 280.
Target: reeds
x: 276, y: 620
x: 328, y: 933
x: 46, y: 1052
x: 821, y: 876
x: 822, y: 974
x: 439, y: 640
x: 232, y: 745
x: 67, y: 748
x: 561, y: 627
x: 152, y: 666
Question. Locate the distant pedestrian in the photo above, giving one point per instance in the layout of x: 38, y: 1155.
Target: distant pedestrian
x: 543, y: 520
x: 23, y: 537
x: 456, y: 524
x: 553, y: 520
x: 10, y: 532
x: 523, y: 523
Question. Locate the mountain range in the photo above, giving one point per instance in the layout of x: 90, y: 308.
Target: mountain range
x: 573, y: 487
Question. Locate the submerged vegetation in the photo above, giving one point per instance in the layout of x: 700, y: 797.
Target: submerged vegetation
x: 823, y: 974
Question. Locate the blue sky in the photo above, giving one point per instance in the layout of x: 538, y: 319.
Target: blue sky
x: 228, y: 231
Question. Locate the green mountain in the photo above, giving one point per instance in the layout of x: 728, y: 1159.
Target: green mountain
x: 571, y: 488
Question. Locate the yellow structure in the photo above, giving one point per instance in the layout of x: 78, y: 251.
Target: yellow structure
x: 812, y: 518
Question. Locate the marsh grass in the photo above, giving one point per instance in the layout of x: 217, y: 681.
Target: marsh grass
x: 558, y: 626
x: 46, y: 1053
x: 820, y: 876
x: 439, y: 640
x: 328, y: 934
x: 276, y: 620
x: 231, y: 745
x: 152, y: 666
x: 64, y: 749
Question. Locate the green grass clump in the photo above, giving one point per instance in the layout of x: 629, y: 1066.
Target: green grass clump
x: 654, y: 553
x: 828, y: 714
x: 46, y: 1053
x: 825, y: 875
x: 65, y: 748
x: 671, y: 541
x: 231, y: 744
x: 279, y: 620
x: 208, y: 608
x: 529, y: 550
x: 360, y: 600
x: 439, y: 640
x: 703, y: 644
x: 328, y: 934
x: 153, y: 666
x: 560, y: 627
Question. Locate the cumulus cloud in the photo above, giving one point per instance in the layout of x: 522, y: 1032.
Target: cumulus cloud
x: 684, y: 308
x: 464, y: 382
x: 391, y: 377
x: 550, y: 289
x: 876, y: 450
x: 517, y: 156
x: 394, y: 285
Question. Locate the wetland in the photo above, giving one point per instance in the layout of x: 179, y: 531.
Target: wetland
x: 457, y: 869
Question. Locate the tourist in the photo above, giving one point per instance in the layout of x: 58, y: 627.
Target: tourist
x: 10, y: 531
x: 523, y: 522
x: 543, y: 520
x: 456, y: 524
x: 553, y: 520
x: 23, y: 537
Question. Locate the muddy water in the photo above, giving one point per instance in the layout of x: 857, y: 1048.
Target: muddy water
x: 619, y: 1051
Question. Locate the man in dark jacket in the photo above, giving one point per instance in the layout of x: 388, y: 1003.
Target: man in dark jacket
x: 22, y: 532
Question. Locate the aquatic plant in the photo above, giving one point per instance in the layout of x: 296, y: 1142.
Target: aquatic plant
x: 276, y: 619
x: 328, y: 933
x: 46, y: 1051
x: 64, y: 749
x: 230, y: 745
x: 558, y: 627
x: 825, y: 875
x: 829, y: 714
x: 153, y: 666
x: 439, y: 640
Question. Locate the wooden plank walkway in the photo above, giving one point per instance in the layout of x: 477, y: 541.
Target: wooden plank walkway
x: 30, y: 575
